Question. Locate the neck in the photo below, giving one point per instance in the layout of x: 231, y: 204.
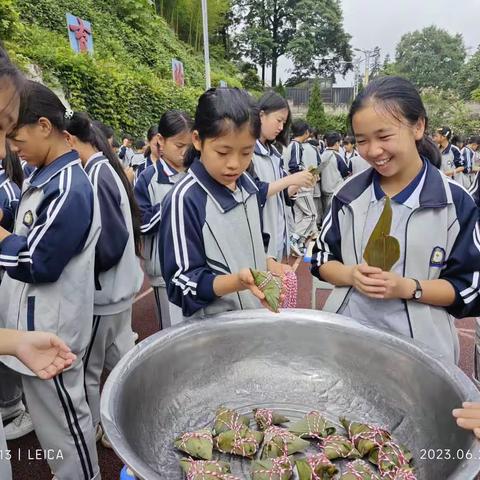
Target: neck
x: 444, y: 144
x: 263, y: 140
x: 395, y: 184
x: 86, y: 153
x: 57, y: 149
x: 175, y: 167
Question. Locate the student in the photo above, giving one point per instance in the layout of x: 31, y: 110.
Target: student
x: 211, y: 220
x: 45, y: 355
x: 434, y: 220
x: 467, y: 178
x: 356, y: 163
x: 138, y: 157
x: 458, y: 141
x: 49, y: 281
x: 173, y: 136
x: 300, y: 155
x: 118, y: 274
x: 267, y: 167
x: 335, y: 169
x: 107, y: 132
x: 451, y: 164
x: 11, y: 393
x: 126, y: 152
x: 152, y: 153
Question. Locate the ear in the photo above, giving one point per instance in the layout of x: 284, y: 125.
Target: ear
x: 419, y: 129
x: 160, y: 140
x: 197, y: 143
x: 70, y: 139
x: 45, y: 125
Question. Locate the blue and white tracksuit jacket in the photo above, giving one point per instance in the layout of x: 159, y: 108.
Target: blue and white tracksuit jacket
x: 151, y: 188
x: 467, y: 177
x: 451, y: 159
x: 50, y: 257
x: 118, y: 274
x: 9, y: 198
x: 443, y: 242
x: 208, y: 230
x: 147, y: 162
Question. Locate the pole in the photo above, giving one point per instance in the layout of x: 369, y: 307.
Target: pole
x: 367, y: 67
x: 208, y: 82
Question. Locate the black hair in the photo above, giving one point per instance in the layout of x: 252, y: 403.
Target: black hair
x: 446, y: 132
x: 220, y: 109
x: 299, y: 128
x: 139, y: 144
x: 38, y: 101
x: 105, y: 129
x: 473, y: 139
x: 457, y: 138
x: 13, y: 167
x: 314, y: 133
x: 331, y: 138
x: 273, y: 102
x: 173, y: 122
x: 8, y: 70
x: 81, y: 126
x: 152, y: 131
x: 349, y: 139
x: 115, y: 144
x: 401, y: 99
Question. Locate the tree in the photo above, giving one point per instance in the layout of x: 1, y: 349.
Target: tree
x: 375, y: 66
x: 281, y: 90
x: 250, y: 79
x: 469, y: 76
x: 316, y: 113
x: 310, y: 32
x: 430, y: 57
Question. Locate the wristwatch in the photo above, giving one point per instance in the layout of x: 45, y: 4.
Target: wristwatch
x: 418, y: 292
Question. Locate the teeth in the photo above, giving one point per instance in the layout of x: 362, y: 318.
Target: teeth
x: 380, y: 163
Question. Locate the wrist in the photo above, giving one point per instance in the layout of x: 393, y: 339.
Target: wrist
x: 408, y: 289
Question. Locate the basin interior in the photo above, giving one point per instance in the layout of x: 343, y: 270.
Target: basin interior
x: 294, y: 367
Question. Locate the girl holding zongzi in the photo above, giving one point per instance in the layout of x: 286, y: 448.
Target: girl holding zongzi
x: 420, y: 226
x: 211, y: 220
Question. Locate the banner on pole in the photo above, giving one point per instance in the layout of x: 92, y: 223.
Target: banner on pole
x: 79, y: 34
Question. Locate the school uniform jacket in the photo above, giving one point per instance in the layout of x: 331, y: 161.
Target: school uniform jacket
x: 336, y: 169
x: 268, y: 167
x: 147, y: 162
x: 451, y: 159
x: 118, y: 274
x: 207, y: 230
x: 475, y: 191
x: 9, y: 197
x: 442, y: 241
x: 151, y: 188
x: 50, y: 258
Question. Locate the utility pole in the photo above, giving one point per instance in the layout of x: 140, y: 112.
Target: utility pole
x: 368, y: 54
x: 206, y: 52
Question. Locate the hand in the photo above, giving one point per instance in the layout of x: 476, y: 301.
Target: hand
x: 246, y: 279
x: 303, y: 179
x: 1, y: 214
x: 361, y: 279
x: 395, y: 285
x: 278, y: 268
x: 129, y: 172
x: 44, y: 354
x: 468, y: 417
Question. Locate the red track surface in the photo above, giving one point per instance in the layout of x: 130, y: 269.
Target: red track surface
x: 145, y: 324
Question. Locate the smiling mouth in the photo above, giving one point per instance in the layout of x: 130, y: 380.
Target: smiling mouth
x: 381, y: 163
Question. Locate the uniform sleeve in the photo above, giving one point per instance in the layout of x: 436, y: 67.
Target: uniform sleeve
x: 328, y: 244
x: 58, y: 234
x: 462, y: 269
x: 457, y: 157
x: 182, y: 253
x: 295, y: 163
x: 150, y: 213
x: 9, y: 198
x: 122, y: 152
x: 475, y: 191
x: 114, y: 234
x: 342, y: 166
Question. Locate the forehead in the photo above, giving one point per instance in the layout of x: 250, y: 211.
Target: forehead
x: 235, y: 138
x: 9, y: 102
x: 373, y: 118
x: 282, y: 113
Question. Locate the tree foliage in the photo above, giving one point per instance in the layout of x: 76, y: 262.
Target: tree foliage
x: 316, y: 112
x: 430, y: 57
x: 469, y: 76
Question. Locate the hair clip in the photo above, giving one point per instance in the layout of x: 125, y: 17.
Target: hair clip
x: 68, y: 113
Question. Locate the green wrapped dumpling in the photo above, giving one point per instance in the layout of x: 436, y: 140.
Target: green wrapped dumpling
x: 204, y: 470
x: 242, y: 442
x: 337, y: 446
x: 227, y: 419
x: 316, y: 467
x: 279, y: 442
x: 196, y: 444
x: 365, y: 437
x: 272, y: 469
x: 266, y: 418
x: 359, y: 470
x: 313, y: 425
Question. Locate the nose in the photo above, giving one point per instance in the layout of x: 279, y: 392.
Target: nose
x: 233, y: 162
x: 374, y: 149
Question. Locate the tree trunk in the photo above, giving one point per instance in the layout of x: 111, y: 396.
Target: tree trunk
x: 274, y: 70
x: 263, y: 74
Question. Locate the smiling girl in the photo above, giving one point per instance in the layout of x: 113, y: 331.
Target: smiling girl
x: 434, y: 220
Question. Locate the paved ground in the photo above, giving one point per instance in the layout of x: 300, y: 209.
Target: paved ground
x: 144, y: 323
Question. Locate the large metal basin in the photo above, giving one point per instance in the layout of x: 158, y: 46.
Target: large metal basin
x: 295, y: 361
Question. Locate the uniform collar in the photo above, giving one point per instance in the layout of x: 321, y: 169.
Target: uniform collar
x: 447, y: 149
x: 409, y: 196
x: 265, y: 150
x: 219, y: 193
x: 93, y: 160
x: 43, y: 175
x: 432, y: 194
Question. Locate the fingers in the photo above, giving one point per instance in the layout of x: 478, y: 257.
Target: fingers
x: 257, y: 292
x: 470, y: 405
x: 60, y: 344
x: 369, y: 281
x: 367, y: 269
x: 467, y: 413
x: 468, y: 423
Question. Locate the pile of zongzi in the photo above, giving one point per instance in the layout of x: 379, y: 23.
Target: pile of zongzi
x: 272, y: 447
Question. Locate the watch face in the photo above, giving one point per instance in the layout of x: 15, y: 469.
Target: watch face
x: 417, y: 294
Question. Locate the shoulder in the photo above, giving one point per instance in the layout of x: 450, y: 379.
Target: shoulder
x: 186, y: 193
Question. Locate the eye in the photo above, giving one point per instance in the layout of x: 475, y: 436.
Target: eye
x: 361, y: 142
x: 222, y: 154
x: 385, y: 137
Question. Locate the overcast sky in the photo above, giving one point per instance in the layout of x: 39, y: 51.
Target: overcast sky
x: 383, y: 22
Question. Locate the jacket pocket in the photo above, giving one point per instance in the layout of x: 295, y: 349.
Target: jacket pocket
x: 31, y: 313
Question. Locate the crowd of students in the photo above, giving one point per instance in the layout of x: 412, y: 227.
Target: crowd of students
x: 195, y: 205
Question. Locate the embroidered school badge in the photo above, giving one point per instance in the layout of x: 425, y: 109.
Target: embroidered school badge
x: 437, y: 258
x: 28, y: 218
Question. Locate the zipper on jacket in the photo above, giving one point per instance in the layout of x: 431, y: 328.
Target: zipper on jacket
x: 19, y: 305
x: 249, y: 229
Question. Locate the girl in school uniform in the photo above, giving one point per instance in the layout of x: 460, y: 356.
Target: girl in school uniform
x: 49, y: 282
x: 173, y: 137
x: 267, y: 166
x: 151, y: 154
x: 356, y: 162
x: 434, y: 220
x: 468, y: 160
x: 118, y: 274
x: 451, y: 162
x: 211, y: 220
x: 11, y: 179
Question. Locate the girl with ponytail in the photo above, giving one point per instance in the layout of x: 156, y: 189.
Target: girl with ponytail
x: 434, y: 273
